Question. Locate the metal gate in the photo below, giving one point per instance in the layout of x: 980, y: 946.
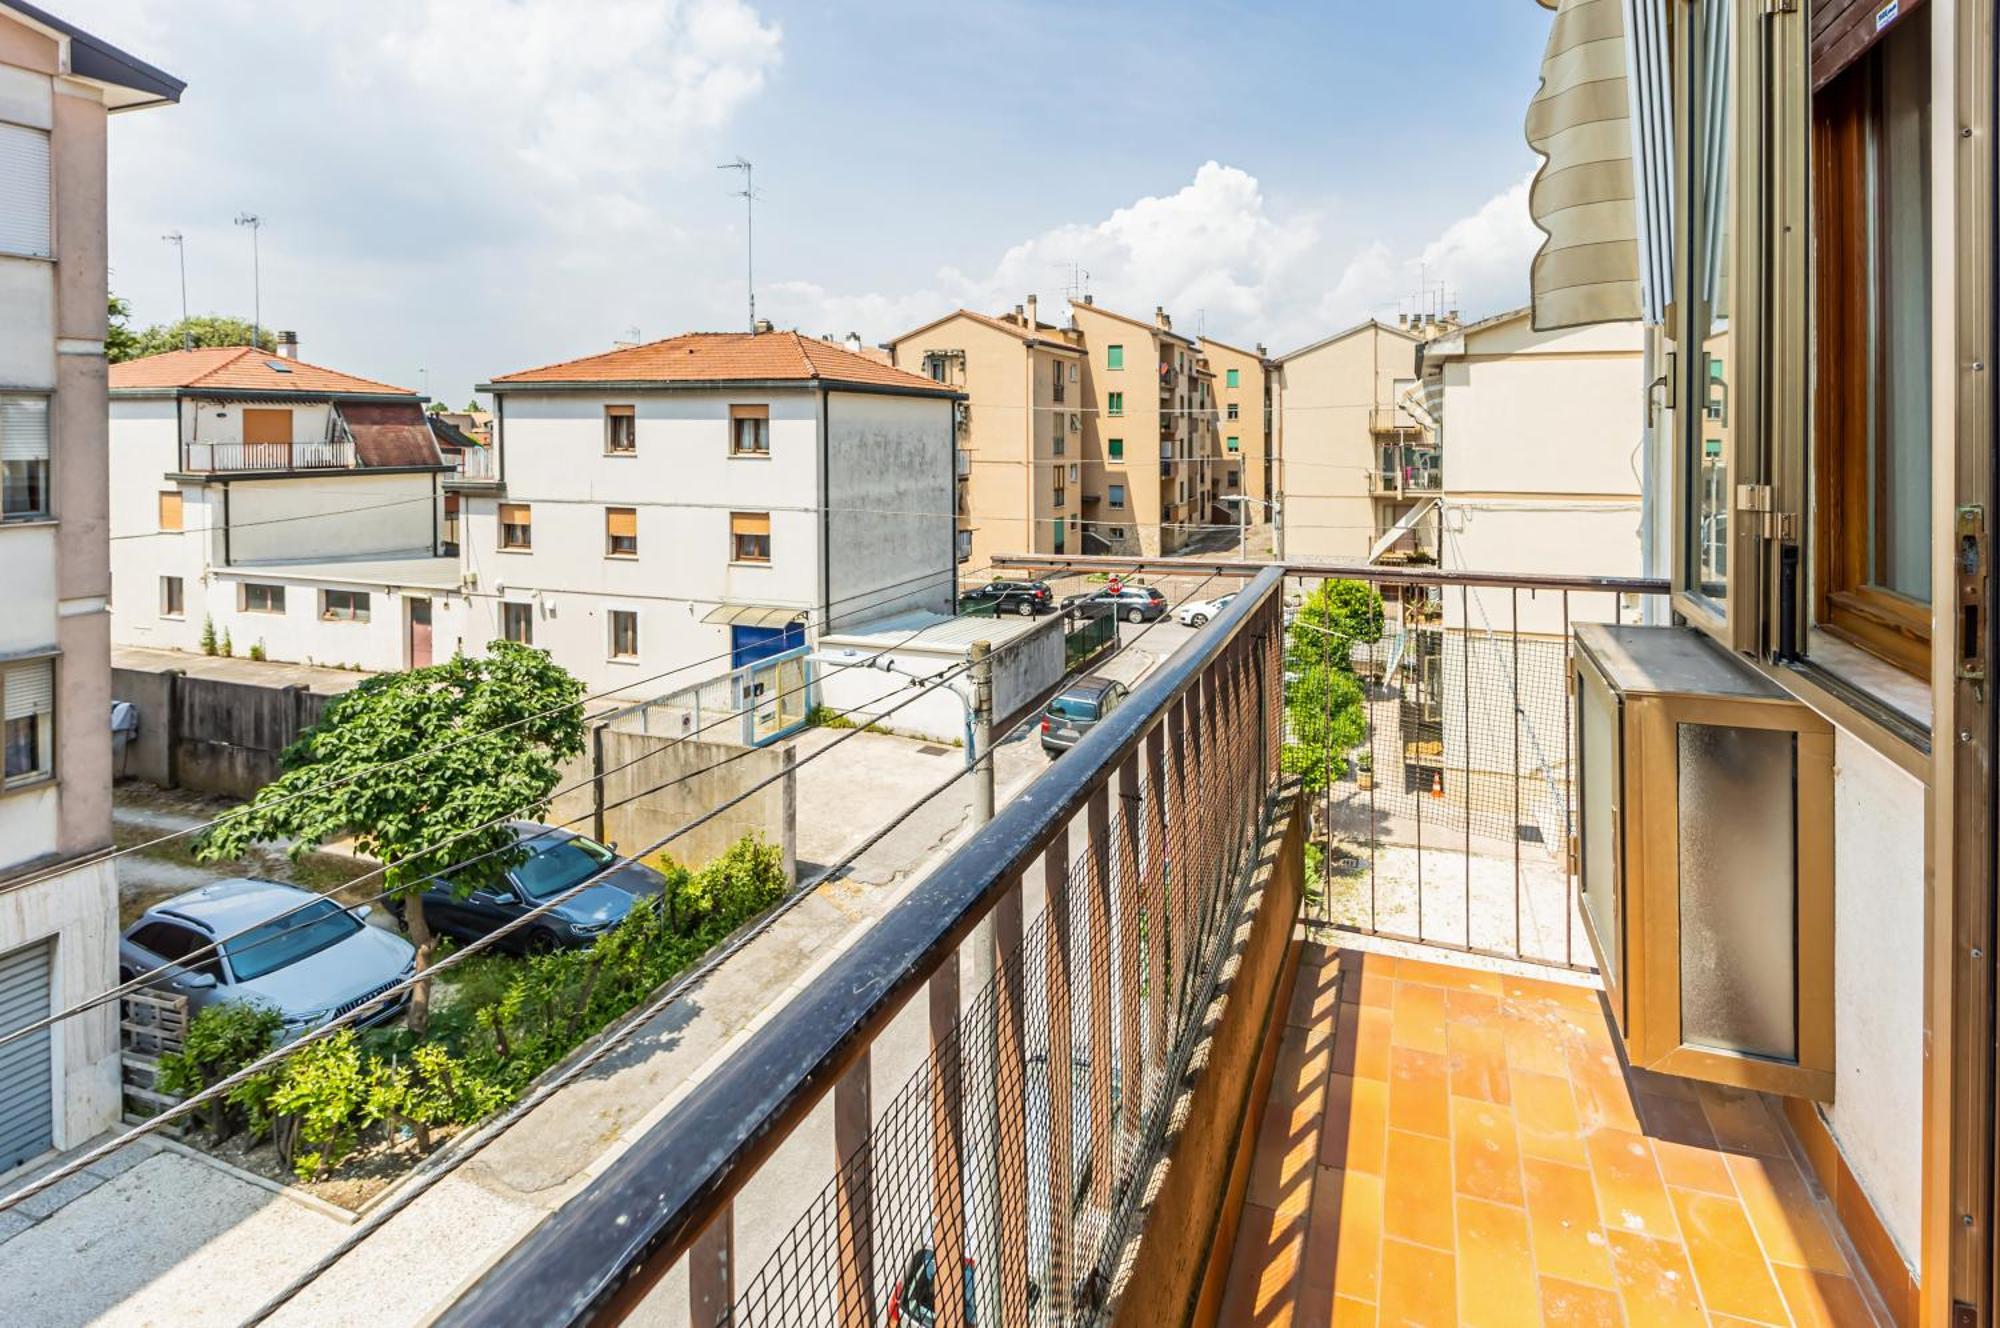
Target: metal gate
x: 27, y: 1087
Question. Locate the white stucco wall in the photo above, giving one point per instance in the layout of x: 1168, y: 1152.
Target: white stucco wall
x: 351, y: 515
x: 27, y: 332
x: 1878, y: 896
x: 890, y: 518
x: 222, y: 421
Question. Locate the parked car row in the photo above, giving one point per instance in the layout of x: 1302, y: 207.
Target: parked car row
x: 1135, y: 604
x: 1027, y: 598
x: 313, y: 959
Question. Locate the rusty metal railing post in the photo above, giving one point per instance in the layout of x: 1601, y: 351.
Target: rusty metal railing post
x: 1157, y: 915
x: 1057, y: 934
x: 1098, y: 822
x: 1010, y: 1119
x: 1131, y: 996
x: 947, y: 1144
x: 711, y: 1263
x: 854, y: 1194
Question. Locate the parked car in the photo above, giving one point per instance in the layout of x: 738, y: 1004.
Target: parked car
x: 557, y: 861
x: 1200, y: 611
x: 311, y: 965
x: 1026, y: 598
x: 1134, y: 604
x: 1078, y: 706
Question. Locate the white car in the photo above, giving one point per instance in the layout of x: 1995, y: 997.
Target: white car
x: 1200, y: 611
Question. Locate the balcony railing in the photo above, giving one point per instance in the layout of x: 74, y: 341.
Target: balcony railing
x: 327, y: 454
x: 1391, y: 481
x: 964, y: 460
x: 1001, y: 1180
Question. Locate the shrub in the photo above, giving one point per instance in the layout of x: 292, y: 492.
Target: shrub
x: 208, y: 636
x: 326, y: 1090
x: 220, y: 1040
x: 226, y: 648
x: 257, y: 649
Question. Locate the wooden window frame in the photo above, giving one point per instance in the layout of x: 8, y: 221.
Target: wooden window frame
x: 243, y: 604
x: 360, y: 606
x: 741, y: 527
x: 526, y: 611
x: 612, y: 520
x: 172, y: 589
x: 526, y: 542
x: 741, y: 415
x: 611, y: 650
x: 1847, y: 410
x: 612, y: 415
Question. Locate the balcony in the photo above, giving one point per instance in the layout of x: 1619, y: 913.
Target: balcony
x: 1397, y: 482
x: 1391, y: 420
x: 1241, y: 1019
x: 963, y: 460
x: 235, y: 458
x: 478, y: 468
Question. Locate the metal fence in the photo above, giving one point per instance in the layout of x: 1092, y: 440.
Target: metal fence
x: 319, y: 454
x: 768, y: 699
x: 1024, y: 1098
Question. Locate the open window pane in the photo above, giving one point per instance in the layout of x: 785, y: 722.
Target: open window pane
x: 1706, y: 407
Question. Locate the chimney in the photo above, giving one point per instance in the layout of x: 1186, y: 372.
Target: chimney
x: 1034, y: 319
x: 288, y: 345
x: 760, y: 326
x: 854, y: 342
x: 1020, y: 315
x: 1160, y: 319
x: 1262, y: 354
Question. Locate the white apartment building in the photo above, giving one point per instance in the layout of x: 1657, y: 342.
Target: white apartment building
x: 660, y: 513
x: 58, y: 908
x: 288, y: 508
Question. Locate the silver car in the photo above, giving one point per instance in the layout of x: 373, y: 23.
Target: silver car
x: 311, y: 966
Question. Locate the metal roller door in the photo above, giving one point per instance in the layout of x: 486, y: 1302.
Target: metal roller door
x: 26, y: 1090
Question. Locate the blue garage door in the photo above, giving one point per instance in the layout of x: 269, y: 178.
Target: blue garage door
x: 747, y: 645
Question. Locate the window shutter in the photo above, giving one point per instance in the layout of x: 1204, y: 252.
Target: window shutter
x: 749, y: 523
x: 1844, y: 30
x: 513, y: 514
x: 621, y: 521
x: 749, y: 412
x: 24, y: 191
x: 29, y: 688
x: 625, y: 411
x: 170, y: 509
x: 24, y: 429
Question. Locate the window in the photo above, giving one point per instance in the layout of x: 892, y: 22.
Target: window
x: 1060, y: 441
x: 1060, y: 525
x: 1232, y: 479
x: 340, y: 605
x: 1115, y: 448
x: 256, y: 597
x: 1114, y: 403
x: 1072, y: 472
x: 621, y: 532
x: 1116, y: 495
x: 1114, y: 532
x: 517, y: 529
x: 965, y: 546
x: 624, y: 634
x: 170, y: 509
x: 1231, y: 378
x: 289, y: 938
x: 1114, y: 357
x: 1072, y: 373
x: 517, y: 623
x: 183, y: 947
x: 24, y: 204
x: 24, y: 456
x: 1872, y: 421
x: 1061, y: 495
x: 1232, y: 410
x: 935, y: 367
x: 750, y: 537
x: 621, y: 430
x: 27, y: 700
x: 1703, y: 303
x: 1234, y: 445
x: 172, y: 604
x: 750, y: 431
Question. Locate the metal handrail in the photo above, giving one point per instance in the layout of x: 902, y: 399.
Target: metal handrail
x: 1417, y: 576
x: 608, y: 1246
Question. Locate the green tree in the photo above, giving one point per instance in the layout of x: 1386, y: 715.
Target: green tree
x: 1324, y: 702
x: 200, y: 330
x: 120, y: 341
x: 424, y: 769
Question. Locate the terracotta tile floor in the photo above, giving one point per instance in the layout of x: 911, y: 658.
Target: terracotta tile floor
x: 1447, y: 1145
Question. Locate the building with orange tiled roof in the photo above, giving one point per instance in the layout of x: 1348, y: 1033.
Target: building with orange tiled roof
x: 288, y: 505
x: 706, y: 500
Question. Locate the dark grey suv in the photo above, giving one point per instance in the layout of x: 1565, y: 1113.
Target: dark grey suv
x: 1078, y: 706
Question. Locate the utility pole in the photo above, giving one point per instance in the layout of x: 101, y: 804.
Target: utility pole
x: 255, y: 223
x: 179, y: 242
x: 749, y: 196
x: 981, y: 656
x: 981, y: 1163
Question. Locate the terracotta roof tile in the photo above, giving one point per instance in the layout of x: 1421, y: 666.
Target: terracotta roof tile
x: 239, y: 367
x: 721, y: 357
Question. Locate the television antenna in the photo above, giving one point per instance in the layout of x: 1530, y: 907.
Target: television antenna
x: 748, y: 193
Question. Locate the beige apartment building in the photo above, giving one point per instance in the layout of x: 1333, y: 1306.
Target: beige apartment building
x: 1020, y: 433
x: 1354, y: 462
x: 58, y: 905
x: 1152, y: 464
x: 1246, y: 425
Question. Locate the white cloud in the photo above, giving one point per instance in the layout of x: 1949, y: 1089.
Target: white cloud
x: 1217, y: 250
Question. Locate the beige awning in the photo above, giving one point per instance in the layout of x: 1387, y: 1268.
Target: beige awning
x: 753, y: 615
x: 1600, y: 193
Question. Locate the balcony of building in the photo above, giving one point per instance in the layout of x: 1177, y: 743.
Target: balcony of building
x: 268, y: 457
x: 1245, y: 1017
x: 478, y: 468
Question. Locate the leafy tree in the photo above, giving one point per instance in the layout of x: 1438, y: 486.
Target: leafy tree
x: 472, y: 406
x: 201, y: 330
x: 415, y: 766
x: 1324, y: 702
x: 437, y: 408
x: 120, y: 341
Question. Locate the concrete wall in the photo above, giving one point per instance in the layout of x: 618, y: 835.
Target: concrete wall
x: 352, y: 515
x: 632, y: 806
x: 301, y: 635
x: 1024, y: 667
x: 209, y: 735
x: 79, y: 910
x: 889, y: 487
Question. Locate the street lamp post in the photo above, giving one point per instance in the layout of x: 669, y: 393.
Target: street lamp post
x: 179, y: 242
x: 255, y: 223
x: 1243, y: 519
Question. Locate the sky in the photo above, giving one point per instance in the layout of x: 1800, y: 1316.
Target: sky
x: 453, y: 189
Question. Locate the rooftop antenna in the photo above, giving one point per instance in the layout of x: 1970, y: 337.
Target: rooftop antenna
x: 632, y: 334
x: 1078, y: 283
x: 749, y: 196
x: 255, y: 223
x: 179, y: 242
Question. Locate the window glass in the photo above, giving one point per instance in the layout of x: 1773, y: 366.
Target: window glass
x: 1116, y: 449
x: 343, y: 605
x: 283, y: 941
x: 1073, y: 707
x: 24, y: 457
x: 1706, y: 302
x: 621, y: 429
x: 27, y: 702
x: 1114, y: 403
x: 516, y: 526
x: 624, y: 634
x: 1116, y: 495
x: 261, y: 598
x: 171, y: 601
x: 556, y: 867
x: 517, y: 623
x: 750, y: 537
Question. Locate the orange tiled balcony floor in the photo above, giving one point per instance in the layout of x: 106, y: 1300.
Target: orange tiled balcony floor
x: 1447, y: 1145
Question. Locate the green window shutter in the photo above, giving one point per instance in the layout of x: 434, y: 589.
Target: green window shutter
x: 1117, y: 449
x: 1232, y: 442
x: 1114, y: 357
x: 1115, y: 403
x: 1232, y: 378
x: 1059, y: 535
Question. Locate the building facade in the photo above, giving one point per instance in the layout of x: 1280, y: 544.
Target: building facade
x: 661, y: 513
x: 285, y: 508
x: 1354, y: 462
x: 58, y: 909
x: 1020, y: 429
x: 1246, y: 419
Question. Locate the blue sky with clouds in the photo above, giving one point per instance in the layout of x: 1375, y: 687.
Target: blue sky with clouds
x: 453, y: 189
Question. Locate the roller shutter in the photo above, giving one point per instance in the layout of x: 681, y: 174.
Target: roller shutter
x: 27, y: 1090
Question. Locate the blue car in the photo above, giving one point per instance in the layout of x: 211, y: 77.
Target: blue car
x: 558, y: 860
